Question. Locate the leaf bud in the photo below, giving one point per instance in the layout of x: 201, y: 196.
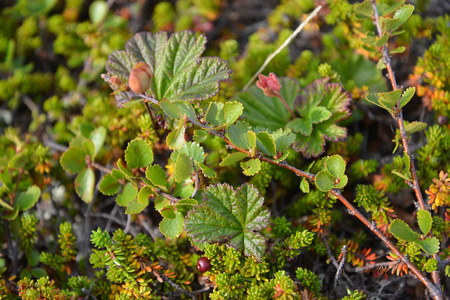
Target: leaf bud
x: 116, y: 81
x: 140, y: 78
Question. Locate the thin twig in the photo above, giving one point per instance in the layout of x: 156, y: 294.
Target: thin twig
x: 342, y: 258
x: 177, y: 287
x: 286, y: 42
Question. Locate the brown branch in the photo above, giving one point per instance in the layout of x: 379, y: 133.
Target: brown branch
x: 436, y: 293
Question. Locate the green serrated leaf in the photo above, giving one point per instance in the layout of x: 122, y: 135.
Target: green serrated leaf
x: 134, y: 207
x: 415, y: 127
x: 232, y: 111
x: 73, y: 160
x: 175, y: 140
x: 183, y: 189
x: 382, y: 40
x: 138, y: 154
x: 398, y: 50
x: 283, y: 139
x: 238, y: 135
x: 402, y: 231
x: 172, y: 228
x: 400, y: 17
x: 157, y: 176
x: 388, y: 24
x: 364, y: 8
x: 252, y: 140
x: 214, y: 113
x: 207, y: 171
x: 324, y: 181
x: 369, y: 48
x: 401, y: 175
x: 319, y: 114
x: 109, y: 185
x: 128, y: 194
x: 251, y: 166
x: 194, y: 151
x: 200, y: 135
x: 233, y: 158
x: 425, y: 221
x: 385, y: 9
x: 161, y: 202
x: 26, y: 200
x: 266, y: 143
x: 403, y: 14
x: 304, y: 185
x: 183, y: 168
x: 238, y: 215
x: 98, y: 136
x: 303, y: 126
x: 407, y: 95
x: 390, y: 99
x: 341, y: 182
x: 336, y: 165
x: 84, y: 184
x: 429, y: 245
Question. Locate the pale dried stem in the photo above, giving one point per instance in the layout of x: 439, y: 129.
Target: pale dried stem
x: 286, y: 42
x: 434, y: 290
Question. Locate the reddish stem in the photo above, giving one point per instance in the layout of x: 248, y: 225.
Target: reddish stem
x: 286, y: 105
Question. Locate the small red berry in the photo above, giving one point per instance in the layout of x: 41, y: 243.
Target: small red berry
x: 140, y: 78
x: 203, y: 264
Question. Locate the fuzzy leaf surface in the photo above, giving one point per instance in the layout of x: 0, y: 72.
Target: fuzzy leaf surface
x: 320, y: 106
x: 179, y: 73
x: 238, y: 215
